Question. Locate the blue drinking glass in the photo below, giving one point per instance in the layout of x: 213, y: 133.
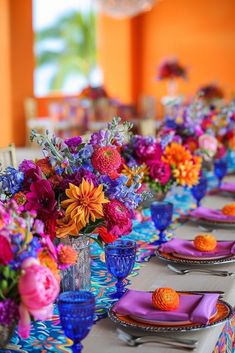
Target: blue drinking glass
x: 120, y: 260
x: 220, y: 170
x: 76, y: 309
x: 199, y: 191
x: 161, y: 213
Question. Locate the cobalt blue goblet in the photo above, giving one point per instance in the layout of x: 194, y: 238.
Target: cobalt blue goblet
x: 76, y: 309
x: 199, y: 191
x: 220, y: 170
x: 120, y: 260
x: 161, y: 213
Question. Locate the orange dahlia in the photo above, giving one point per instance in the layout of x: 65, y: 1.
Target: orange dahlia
x: 84, y: 204
x: 47, y: 260
x: 175, y: 154
x: 131, y: 173
x: 187, y: 173
x: 229, y: 209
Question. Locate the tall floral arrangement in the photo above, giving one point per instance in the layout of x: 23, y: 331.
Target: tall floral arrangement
x: 162, y: 162
x: 79, y: 186
x: 171, y: 69
x: 29, y: 269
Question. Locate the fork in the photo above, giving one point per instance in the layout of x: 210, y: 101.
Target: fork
x: 134, y: 341
x: 203, y: 270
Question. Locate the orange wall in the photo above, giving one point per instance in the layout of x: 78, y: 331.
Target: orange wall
x: 5, y: 94
x: 16, y: 68
x: 22, y: 63
x: 201, y: 33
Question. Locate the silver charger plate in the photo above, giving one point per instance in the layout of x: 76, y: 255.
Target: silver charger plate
x: 224, y: 313
x: 183, y: 261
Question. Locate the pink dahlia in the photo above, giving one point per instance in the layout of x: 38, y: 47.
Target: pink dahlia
x: 159, y: 171
x: 118, y: 218
x: 146, y: 150
x: 106, y: 160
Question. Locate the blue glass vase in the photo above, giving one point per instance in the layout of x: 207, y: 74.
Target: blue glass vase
x: 76, y: 309
x: 161, y: 213
x: 199, y: 191
x: 120, y: 260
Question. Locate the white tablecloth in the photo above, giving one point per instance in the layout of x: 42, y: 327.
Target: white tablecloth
x: 103, y: 338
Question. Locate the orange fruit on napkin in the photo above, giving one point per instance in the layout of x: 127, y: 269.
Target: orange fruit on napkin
x: 205, y: 242
x: 166, y: 299
x: 229, y: 209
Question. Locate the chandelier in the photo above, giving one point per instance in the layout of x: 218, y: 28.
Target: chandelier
x: 124, y: 8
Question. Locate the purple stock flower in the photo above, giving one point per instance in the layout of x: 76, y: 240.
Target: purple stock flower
x: 76, y: 178
x: 8, y: 312
x: 26, y: 165
x: 73, y: 143
x: 101, y: 138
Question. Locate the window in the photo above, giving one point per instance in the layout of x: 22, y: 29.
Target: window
x: 65, y: 46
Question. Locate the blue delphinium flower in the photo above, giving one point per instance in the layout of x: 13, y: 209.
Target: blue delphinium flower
x: 11, y: 181
x: 86, y: 152
x: 21, y: 255
x: 117, y: 189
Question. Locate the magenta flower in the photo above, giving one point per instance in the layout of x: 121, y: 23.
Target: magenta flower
x: 146, y: 150
x: 31, y: 172
x: 41, y: 198
x: 76, y: 178
x: 73, y: 143
x: 159, y: 171
x: 118, y: 218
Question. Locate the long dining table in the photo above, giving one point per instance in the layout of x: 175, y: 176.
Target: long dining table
x: 148, y: 274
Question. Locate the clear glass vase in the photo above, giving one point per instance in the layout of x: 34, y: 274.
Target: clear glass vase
x: 78, y: 276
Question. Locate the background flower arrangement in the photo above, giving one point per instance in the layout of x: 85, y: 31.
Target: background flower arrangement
x: 29, y: 270
x: 162, y: 161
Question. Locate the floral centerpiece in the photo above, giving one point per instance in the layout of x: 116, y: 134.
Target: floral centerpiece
x: 210, y: 93
x: 29, y: 270
x: 78, y: 190
x: 170, y: 70
x: 163, y: 162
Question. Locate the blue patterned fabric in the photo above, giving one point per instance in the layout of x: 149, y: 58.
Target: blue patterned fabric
x: 48, y: 336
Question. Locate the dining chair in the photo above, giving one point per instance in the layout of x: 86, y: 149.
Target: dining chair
x: 8, y: 156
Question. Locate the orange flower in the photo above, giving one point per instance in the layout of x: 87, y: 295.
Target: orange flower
x: 20, y: 198
x: 47, y: 260
x: 166, y: 299
x: 131, y: 173
x: 229, y: 209
x: 205, y: 242
x: 175, y: 154
x: 67, y: 255
x: 84, y: 204
x: 231, y: 143
x: 187, y: 173
x: 65, y: 226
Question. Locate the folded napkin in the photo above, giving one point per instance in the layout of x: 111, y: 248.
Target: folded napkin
x: 195, y: 308
x: 186, y: 247
x: 213, y: 215
x: 228, y: 186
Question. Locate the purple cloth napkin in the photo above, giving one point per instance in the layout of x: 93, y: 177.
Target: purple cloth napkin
x: 213, y: 215
x: 228, y: 186
x: 196, y: 308
x: 186, y: 247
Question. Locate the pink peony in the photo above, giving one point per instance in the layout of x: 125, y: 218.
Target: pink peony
x: 159, y: 171
x: 6, y: 254
x: 208, y: 143
x: 38, y: 290
x: 118, y: 218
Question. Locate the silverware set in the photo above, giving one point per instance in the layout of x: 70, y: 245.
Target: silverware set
x: 176, y: 342
x: 185, y: 271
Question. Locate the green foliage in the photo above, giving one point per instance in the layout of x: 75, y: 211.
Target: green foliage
x: 76, y: 54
